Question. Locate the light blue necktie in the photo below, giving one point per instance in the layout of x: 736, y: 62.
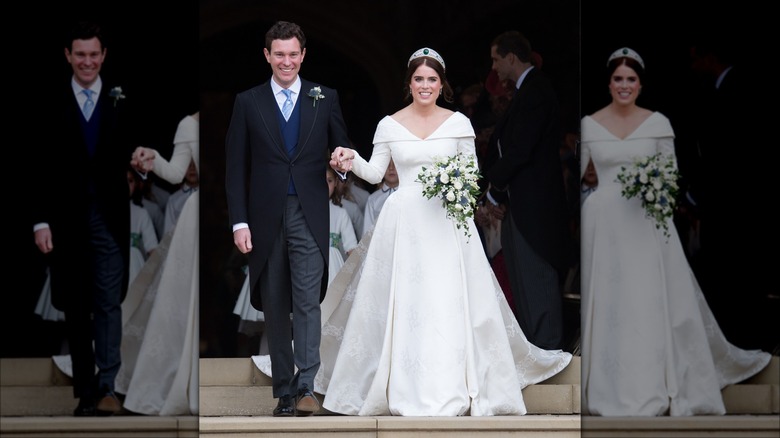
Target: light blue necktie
x: 287, y: 107
x: 89, y: 105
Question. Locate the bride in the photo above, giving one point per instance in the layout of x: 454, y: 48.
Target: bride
x: 650, y: 343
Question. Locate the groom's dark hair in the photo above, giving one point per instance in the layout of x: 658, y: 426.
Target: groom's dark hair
x: 84, y: 30
x: 284, y: 30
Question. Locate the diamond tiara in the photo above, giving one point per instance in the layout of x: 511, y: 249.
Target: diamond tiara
x: 625, y: 52
x: 427, y: 52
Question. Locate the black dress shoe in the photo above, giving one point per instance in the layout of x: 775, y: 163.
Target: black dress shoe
x: 306, y: 403
x: 285, y: 407
x: 86, y: 408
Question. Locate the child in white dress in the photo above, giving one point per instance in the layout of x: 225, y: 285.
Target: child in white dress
x: 342, y: 233
x: 143, y: 236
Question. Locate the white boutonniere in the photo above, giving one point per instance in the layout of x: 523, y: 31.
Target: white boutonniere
x: 116, y: 94
x: 316, y: 94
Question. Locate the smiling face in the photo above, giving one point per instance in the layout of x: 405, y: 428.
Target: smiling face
x: 86, y: 58
x: 285, y: 58
x: 425, y: 85
x: 624, y: 85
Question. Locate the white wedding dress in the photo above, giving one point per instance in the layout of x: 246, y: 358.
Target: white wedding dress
x: 650, y: 344
x: 159, y: 373
x: 415, y: 323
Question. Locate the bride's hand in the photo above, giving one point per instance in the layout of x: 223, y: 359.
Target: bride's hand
x: 341, y: 159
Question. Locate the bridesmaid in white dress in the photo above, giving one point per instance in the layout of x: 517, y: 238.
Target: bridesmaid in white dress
x: 650, y: 344
x: 423, y: 328
x: 143, y: 237
x: 160, y: 344
x: 342, y: 234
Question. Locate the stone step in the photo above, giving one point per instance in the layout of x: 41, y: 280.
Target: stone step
x: 752, y: 399
x: 235, y: 387
x: 97, y: 427
x: 243, y: 372
x: 769, y: 375
x: 218, y: 401
x: 529, y: 426
x: 467, y: 427
x: 16, y: 401
x: 728, y: 426
x: 37, y: 371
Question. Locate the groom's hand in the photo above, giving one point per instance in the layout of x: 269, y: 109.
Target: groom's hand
x: 43, y: 240
x: 243, y: 240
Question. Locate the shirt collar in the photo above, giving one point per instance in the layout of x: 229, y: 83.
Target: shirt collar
x: 386, y: 188
x: 96, y: 86
x: 522, y: 77
x: 295, y: 87
x: 721, y: 77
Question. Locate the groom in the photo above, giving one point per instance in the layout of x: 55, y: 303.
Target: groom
x: 277, y: 148
x: 526, y: 181
x: 82, y: 220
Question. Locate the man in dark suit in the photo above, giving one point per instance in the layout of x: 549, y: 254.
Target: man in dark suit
x: 277, y: 199
x: 729, y: 121
x: 82, y: 223
x: 526, y: 190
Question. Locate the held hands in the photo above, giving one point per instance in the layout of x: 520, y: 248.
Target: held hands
x: 143, y: 159
x: 498, y: 211
x: 488, y: 213
x: 482, y: 216
x: 341, y: 159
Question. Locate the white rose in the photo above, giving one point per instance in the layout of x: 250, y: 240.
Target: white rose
x: 649, y: 197
x: 458, y: 207
x: 444, y: 178
x: 643, y: 178
x: 657, y: 184
x: 450, y: 196
x: 458, y: 185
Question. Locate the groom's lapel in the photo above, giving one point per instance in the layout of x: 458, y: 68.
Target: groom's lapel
x: 309, y: 115
x: 267, y: 110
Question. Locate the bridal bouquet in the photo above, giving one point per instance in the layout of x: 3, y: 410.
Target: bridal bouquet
x: 454, y: 180
x: 653, y: 180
